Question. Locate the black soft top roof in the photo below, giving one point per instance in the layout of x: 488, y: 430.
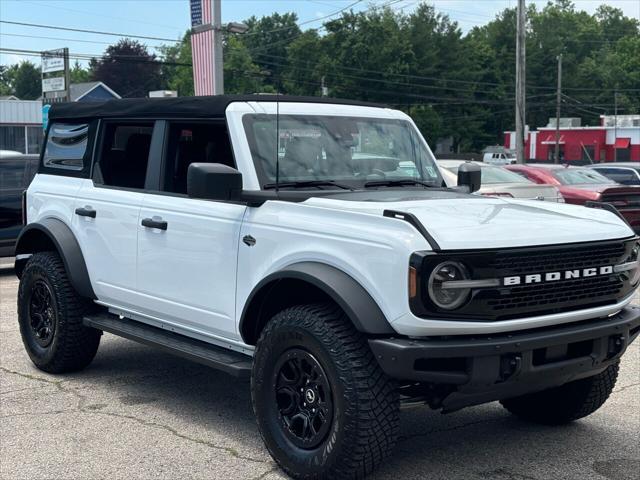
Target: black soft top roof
x: 190, y: 107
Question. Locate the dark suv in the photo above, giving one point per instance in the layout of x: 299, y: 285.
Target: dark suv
x: 16, y: 173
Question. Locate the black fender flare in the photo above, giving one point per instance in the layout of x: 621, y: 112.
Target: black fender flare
x: 60, y: 235
x: 344, y: 290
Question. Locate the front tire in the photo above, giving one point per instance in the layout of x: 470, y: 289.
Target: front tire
x: 566, y: 403
x: 324, y: 407
x: 50, y: 315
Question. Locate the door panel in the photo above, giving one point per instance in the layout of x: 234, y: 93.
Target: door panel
x: 109, y: 240
x: 187, y: 272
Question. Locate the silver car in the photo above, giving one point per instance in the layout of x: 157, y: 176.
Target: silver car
x: 499, y: 182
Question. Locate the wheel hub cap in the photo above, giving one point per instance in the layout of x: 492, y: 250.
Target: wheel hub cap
x: 42, y: 317
x: 303, y: 398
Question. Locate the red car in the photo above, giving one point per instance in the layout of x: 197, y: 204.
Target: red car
x: 579, y: 185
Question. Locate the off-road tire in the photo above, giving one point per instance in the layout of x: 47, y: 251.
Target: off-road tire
x: 365, y: 425
x: 566, y: 403
x: 72, y: 345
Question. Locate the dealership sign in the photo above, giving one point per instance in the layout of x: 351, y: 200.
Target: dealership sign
x: 52, y: 61
x: 55, y: 84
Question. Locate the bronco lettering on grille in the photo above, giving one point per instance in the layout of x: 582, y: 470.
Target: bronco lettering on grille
x: 555, y: 276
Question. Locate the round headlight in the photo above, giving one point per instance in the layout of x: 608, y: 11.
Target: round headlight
x: 442, y: 292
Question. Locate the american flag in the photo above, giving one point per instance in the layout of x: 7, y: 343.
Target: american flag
x: 202, y: 48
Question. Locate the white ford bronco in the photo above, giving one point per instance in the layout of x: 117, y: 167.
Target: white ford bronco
x: 312, y: 246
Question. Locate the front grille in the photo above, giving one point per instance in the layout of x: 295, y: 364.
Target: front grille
x: 543, y: 296
x: 533, y: 299
x: 556, y: 296
x: 557, y: 259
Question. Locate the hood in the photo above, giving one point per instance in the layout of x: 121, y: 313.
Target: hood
x: 462, y: 222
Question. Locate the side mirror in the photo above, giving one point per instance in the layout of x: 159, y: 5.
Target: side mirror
x: 470, y: 176
x: 213, y: 181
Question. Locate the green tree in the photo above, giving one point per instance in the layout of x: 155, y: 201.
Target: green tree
x: 128, y: 68
x: 177, y: 70
x: 267, y: 40
x: 25, y: 80
x: 302, y: 75
x: 79, y: 74
x: 241, y: 75
x: 364, y: 54
x: 5, y: 81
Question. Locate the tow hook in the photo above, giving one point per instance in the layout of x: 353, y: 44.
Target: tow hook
x: 616, y: 346
x: 509, y: 366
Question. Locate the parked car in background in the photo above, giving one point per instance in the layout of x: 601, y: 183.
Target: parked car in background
x: 16, y: 173
x: 503, y: 158
x: 9, y: 153
x: 498, y: 182
x: 579, y: 185
x: 626, y: 173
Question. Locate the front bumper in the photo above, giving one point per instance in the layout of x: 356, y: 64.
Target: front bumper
x: 485, y: 368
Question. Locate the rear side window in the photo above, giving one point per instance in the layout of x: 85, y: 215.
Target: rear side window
x: 124, y: 155
x: 66, y: 146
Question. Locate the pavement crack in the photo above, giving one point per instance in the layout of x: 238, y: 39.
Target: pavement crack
x: 231, y: 451
x: 264, y: 474
x: 32, y: 377
x: 82, y: 408
x: 623, y: 388
x: 37, y: 414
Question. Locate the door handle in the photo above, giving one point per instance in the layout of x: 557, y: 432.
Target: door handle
x: 86, y: 212
x: 151, y: 223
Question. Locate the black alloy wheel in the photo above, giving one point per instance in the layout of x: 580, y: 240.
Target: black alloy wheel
x: 303, y: 398
x: 42, y: 313
x: 50, y: 313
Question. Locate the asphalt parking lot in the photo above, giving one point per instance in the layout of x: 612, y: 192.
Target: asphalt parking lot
x: 137, y: 413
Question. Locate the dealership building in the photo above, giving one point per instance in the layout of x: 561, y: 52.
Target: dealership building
x: 21, y: 120
x: 617, y: 138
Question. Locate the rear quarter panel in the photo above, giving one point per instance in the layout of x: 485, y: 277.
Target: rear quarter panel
x: 52, y: 196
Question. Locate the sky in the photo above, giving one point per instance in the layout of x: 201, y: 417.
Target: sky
x: 168, y: 19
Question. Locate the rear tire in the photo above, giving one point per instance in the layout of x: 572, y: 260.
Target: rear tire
x: 311, y: 356
x: 50, y: 315
x: 566, y: 403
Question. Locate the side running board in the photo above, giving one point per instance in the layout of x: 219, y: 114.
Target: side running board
x: 234, y: 363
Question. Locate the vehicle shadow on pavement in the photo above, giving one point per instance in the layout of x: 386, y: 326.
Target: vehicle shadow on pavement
x: 481, y: 442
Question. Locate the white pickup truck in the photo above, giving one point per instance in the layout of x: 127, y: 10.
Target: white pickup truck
x: 311, y: 245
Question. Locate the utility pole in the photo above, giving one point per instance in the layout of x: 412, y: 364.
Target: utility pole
x: 556, y: 158
x: 323, y: 88
x: 218, y: 72
x: 615, y: 125
x: 520, y: 82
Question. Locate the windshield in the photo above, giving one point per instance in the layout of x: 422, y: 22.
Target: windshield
x: 493, y: 175
x: 580, y: 176
x: 351, y: 151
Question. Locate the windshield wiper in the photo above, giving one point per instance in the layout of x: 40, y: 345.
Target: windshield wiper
x: 396, y: 183
x: 307, y: 183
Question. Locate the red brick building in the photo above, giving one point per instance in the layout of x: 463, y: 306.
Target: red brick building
x: 605, y: 143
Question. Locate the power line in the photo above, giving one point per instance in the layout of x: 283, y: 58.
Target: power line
x: 97, y: 42
x: 81, y: 30
x: 298, y: 25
